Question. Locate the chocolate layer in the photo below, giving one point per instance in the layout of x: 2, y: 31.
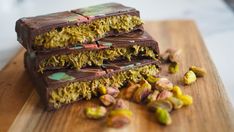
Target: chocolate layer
x: 61, y: 87
x: 40, y: 32
x: 134, y: 45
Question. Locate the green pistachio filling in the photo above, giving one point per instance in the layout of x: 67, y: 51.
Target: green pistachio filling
x: 82, y: 59
x: 86, y: 89
x: 86, y: 32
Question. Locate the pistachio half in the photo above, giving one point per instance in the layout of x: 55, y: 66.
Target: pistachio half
x: 189, y: 77
x: 173, y: 68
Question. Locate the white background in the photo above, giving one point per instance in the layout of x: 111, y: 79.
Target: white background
x: 214, y: 19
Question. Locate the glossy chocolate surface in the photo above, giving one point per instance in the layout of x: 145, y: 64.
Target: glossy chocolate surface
x: 29, y: 27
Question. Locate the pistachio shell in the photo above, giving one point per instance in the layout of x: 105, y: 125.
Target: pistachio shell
x: 130, y: 89
x: 164, y: 95
x: 118, y: 121
x: 142, y: 91
x: 107, y: 100
x: 163, y: 84
x: 199, y: 71
x: 120, y: 104
x: 113, y: 91
x: 153, y: 96
x: 119, y: 118
x: 165, y: 104
x: 171, y: 55
x: 174, y: 55
x: 176, y: 102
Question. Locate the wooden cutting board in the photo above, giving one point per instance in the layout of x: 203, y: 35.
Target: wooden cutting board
x: 21, y: 110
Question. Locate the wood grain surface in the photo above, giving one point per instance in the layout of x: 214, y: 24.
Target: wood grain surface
x: 21, y: 110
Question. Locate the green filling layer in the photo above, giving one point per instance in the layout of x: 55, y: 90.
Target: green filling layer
x: 75, y: 90
x: 86, y: 32
x: 81, y: 59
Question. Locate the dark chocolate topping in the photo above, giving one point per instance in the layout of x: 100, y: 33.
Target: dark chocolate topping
x: 29, y: 27
x: 54, y: 19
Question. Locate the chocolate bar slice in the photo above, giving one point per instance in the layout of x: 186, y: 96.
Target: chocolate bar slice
x: 61, y: 87
x: 69, y: 28
x: 136, y: 45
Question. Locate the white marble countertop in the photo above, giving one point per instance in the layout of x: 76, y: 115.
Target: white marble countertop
x: 213, y: 17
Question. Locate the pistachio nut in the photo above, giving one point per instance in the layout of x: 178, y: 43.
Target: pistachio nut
x: 174, y: 55
x: 186, y: 99
x: 107, y: 99
x: 176, y: 102
x: 102, y: 89
x: 142, y: 91
x: 164, y: 56
x: 152, y: 79
x: 176, y: 91
x: 112, y: 91
x: 145, y: 83
x: 164, y: 95
x: 165, y: 104
x: 120, y: 104
x: 171, y: 55
x: 173, y: 68
x: 119, y: 118
x: 95, y: 112
x: 189, y: 77
x: 163, y: 84
x: 153, y: 96
x: 199, y: 71
x: 163, y: 116
x: 130, y: 89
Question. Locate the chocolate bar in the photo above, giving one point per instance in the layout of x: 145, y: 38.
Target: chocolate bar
x: 80, y: 26
x: 135, y: 45
x: 61, y: 87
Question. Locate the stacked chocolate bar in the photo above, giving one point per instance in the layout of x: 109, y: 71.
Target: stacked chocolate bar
x: 70, y: 54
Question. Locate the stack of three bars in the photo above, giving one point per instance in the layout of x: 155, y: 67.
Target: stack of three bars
x: 70, y: 54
